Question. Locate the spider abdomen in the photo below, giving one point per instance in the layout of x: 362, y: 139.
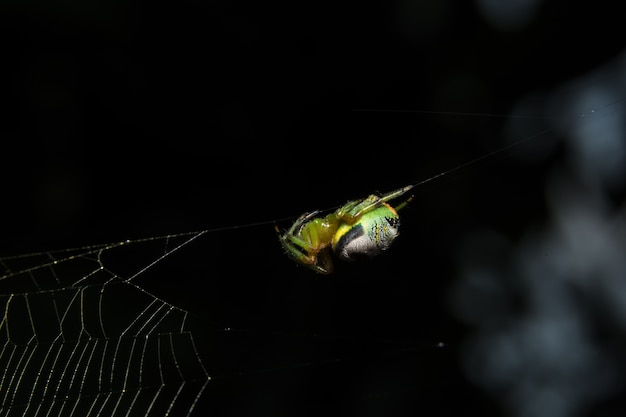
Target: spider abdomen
x: 371, y: 234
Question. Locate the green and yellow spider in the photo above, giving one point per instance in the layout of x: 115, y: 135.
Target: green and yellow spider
x: 359, y: 227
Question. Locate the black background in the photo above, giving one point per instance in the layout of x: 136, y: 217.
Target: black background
x: 128, y: 120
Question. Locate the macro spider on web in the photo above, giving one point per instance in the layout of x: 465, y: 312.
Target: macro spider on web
x: 359, y: 227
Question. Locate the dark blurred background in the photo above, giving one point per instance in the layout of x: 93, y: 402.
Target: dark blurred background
x: 125, y: 119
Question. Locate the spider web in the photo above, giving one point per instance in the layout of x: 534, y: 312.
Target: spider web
x: 81, y: 335
x: 79, y: 338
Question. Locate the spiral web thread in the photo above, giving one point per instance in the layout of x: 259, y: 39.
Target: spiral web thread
x: 79, y: 339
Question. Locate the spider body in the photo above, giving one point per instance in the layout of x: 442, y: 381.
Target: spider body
x: 358, y: 228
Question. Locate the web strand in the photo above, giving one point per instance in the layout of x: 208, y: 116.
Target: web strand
x: 70, y: 344
x: 69, y: 362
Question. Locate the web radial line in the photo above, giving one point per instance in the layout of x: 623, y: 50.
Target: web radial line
x: 130, y: 359
x: 54, y: 261
x: 7, y: 368
x: 67, y: 366
x: 176, y: 364
x: 53, y: 272
x: 101, y: 370
x: 23, y: 369
x: 4, y: 346
x: 30, y: 342
x: 182, y: 378
x: 94, y: 404
x: 40, y: 373
x: 159, y: 311
x: 140, y: 380
x: 3, y: 324
x: 90, y: 249
x: 173, y: 401
x: 107, y: 397
x: 198, y: 395
x: 6, y: 315
x: 60, y: 379
x: 4, y: 374
x: 15, y: 347
x: 49, y: 380
x: 183, y: 322
x: 83, y: 328
x: 84, y: 378
x: 92, y: 273
x: 30, y: 318
x: 154, y: 399
x: 124, y: 384
x: 132, y: 403
x: 197, y: 353
x: 141, y: 363
x: 100, y: 319
x: 158, y: 393
x: 163, y: 315
x: 141, y: 318
x: 16, y: 371
x: 57, y: 313
x: 114, y: 363
x: 67, y: 309
x: 167, y: 253
x: 74, y: 374
x: 199, y: 359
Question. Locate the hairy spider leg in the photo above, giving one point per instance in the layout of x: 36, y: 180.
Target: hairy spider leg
x: 351, y: 212
x: 308, y: 241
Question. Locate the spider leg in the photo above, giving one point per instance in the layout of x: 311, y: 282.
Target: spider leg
x: 303, y: 252
x: 374, y: 200
x: 303, y: 243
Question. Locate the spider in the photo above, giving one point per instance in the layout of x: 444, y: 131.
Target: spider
x: 360, y: 227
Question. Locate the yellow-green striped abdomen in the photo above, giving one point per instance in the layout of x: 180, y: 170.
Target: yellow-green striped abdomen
x: 371, y: 234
